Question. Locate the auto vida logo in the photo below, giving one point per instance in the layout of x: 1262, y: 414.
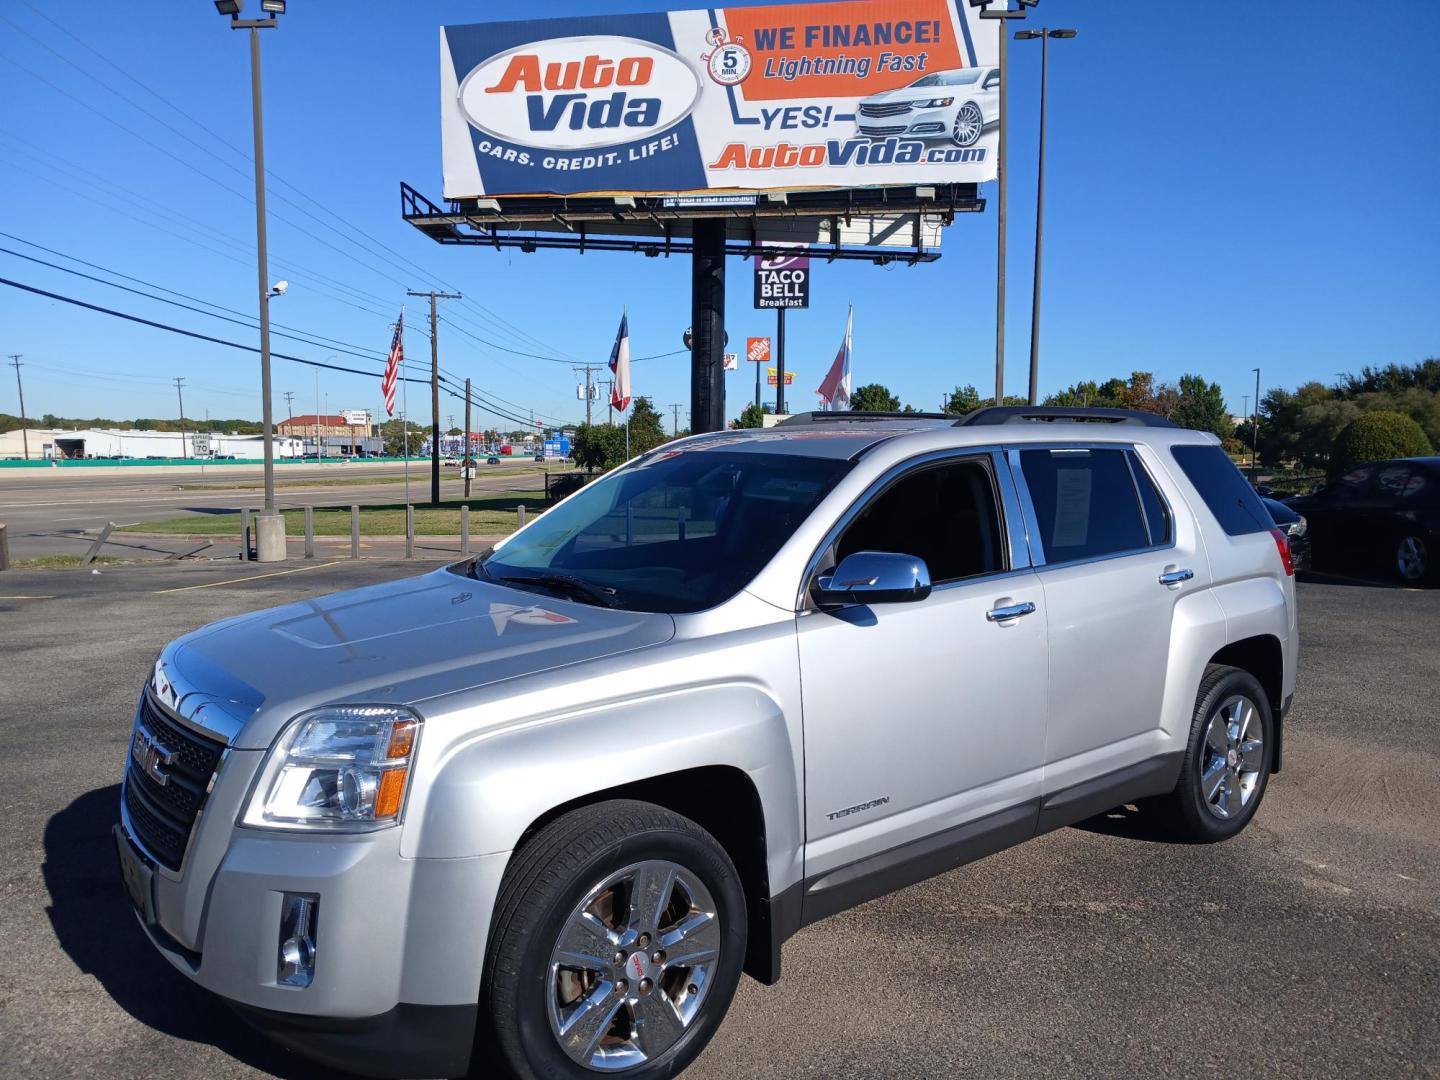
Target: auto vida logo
x: 579, y: 93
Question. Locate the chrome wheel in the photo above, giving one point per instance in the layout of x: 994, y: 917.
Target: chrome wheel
x: 1411, y: 558
x: 969, y: 122
x: 633, y: 965
x: 1233, y: 757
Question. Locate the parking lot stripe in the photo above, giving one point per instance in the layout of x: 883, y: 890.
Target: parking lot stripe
x: 252, y: 577
x: 27, y: 598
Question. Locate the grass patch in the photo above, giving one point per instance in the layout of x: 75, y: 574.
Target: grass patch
x: 62, y: 562
x: 490, y: 515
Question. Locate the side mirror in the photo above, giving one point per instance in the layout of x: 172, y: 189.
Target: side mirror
x: 874, y: 577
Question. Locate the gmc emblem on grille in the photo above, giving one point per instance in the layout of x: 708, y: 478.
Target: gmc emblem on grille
x: 151, y: 755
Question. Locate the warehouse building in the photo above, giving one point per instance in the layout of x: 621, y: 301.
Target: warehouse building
x: 114, y: 444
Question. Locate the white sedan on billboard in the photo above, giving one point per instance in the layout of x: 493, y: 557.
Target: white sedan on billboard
x: 956, y: 105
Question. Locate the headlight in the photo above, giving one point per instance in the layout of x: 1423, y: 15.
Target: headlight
x: 1297, y: 527
x: 344, y: 768
x: 934, y: 103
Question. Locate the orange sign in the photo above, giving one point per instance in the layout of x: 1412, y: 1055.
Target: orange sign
x: 789, y: 377
x: 757, y: 349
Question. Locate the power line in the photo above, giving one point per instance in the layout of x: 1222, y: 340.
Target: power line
x: 499, y: 320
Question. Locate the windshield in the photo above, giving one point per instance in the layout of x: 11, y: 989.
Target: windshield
x: 948, y: 78
x: 677, y: 532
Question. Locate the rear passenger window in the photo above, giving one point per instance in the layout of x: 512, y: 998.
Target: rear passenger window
x: 1086, y: 503
x: 1233, y: 501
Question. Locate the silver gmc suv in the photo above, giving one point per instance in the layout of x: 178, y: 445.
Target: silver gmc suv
x: 540, y: 809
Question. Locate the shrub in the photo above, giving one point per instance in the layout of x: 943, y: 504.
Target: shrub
x: 1374, y: 436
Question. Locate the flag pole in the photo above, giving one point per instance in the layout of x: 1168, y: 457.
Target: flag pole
x: 405, y: 406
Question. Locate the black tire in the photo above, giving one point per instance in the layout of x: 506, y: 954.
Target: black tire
x: 1187, y: 811
x: 548, y: 877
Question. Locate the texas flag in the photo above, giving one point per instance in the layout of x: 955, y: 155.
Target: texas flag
x: 834, y: 389
x: 620, y: 366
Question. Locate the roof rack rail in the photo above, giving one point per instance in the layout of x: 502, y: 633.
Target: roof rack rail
x: 801, y: 419
x: 1026, y: 414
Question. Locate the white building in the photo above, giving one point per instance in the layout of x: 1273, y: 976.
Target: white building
x: 13, y: 443
x: 139, y: 445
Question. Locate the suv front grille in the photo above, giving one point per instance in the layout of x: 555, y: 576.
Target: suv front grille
x: 162, y: 811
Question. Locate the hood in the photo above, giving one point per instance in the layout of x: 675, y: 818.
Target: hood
x: 910, y: 94
x: 397, y: 643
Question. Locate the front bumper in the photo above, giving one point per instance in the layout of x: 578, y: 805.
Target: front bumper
x: 399, y: 943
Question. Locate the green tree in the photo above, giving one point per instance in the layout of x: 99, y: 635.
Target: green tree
x: 602, y: 446
x: 874, y: 397
x: 1200, y: 406
x: 1378, y: 435
x: 752, y: 416
x: 962, y: 400
x: 392, y: 432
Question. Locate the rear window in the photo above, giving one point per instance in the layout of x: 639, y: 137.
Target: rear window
x: 1233, y: 501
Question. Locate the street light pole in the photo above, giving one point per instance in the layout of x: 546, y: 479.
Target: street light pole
x: 1044, y: 34
x: 1255, y: 429
x: 1004, y: 13
x: 270, y: 526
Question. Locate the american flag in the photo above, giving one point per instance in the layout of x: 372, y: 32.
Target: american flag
x: 392, y: 365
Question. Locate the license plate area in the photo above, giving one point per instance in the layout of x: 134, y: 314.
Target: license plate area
x: 137, y: 875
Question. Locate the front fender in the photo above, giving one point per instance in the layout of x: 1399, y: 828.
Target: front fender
x: 478, y: 795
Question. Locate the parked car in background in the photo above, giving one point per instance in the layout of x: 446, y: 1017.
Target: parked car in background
x: 493, y: 459
x: 540, y: 457
x: 956, y: 105
x: 1295, y: 527
x: 1381, y: 515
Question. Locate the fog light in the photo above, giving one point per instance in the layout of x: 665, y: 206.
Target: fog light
x: 295, y: 964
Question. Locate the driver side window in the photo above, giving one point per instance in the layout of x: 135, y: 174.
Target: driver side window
x: 945, y: 514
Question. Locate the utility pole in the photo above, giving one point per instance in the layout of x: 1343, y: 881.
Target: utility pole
x: 675, y: 421
x: 289, y: 404
x: 587, y: 369
x: 434, y: 390
x: 467, y: 459
x: 180, y: 394
x: 24, y: 424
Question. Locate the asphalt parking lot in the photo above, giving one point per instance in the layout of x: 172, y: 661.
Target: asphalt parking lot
x: 1307, y: 947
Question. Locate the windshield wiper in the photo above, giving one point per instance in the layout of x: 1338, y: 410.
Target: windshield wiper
x: 574, y: 587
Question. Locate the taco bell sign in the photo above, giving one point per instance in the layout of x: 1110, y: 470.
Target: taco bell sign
x: 836, y: 93
x: 782, y: 282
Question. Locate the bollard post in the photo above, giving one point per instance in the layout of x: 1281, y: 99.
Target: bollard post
x: 409, y: 531
x: 309, y: 532
x: 354, y: 532
x: 520, y: 514
x: 4, y: 547
x: 464, y: 533
x: 245, y: 535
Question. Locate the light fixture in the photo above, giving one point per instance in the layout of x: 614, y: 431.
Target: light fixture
x: 229, y: 7
x: 1062, y: 33
x: 278, y: 289
x: 274, y: 7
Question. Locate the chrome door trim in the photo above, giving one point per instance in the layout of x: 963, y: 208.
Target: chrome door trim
x: 1011, y: 527
x: 1010, y: 612
x: 1175, y: 577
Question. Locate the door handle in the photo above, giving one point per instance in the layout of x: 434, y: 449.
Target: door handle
x: 1175, y: 577
x: 1009, y: 611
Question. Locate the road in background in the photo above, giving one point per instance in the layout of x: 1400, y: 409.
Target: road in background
x: 1306, y: 947
x: 49, y: 512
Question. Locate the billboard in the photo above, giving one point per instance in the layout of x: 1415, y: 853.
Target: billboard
x: 854, y: 93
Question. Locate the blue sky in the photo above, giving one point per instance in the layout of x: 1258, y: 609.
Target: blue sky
x: 1227, y: 186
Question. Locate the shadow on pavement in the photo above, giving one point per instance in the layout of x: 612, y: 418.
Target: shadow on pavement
x: 96, y: 928
x: 1134, y: 821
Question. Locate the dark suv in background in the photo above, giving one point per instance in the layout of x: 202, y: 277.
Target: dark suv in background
x: 1383, y: 514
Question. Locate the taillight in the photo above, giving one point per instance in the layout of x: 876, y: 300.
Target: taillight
x: 1282, y: 542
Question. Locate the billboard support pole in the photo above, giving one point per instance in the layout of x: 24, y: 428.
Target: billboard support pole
x: 780, y: 361
x: 758, y: 405
x: 467, y: 459
x: 707, y: 319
